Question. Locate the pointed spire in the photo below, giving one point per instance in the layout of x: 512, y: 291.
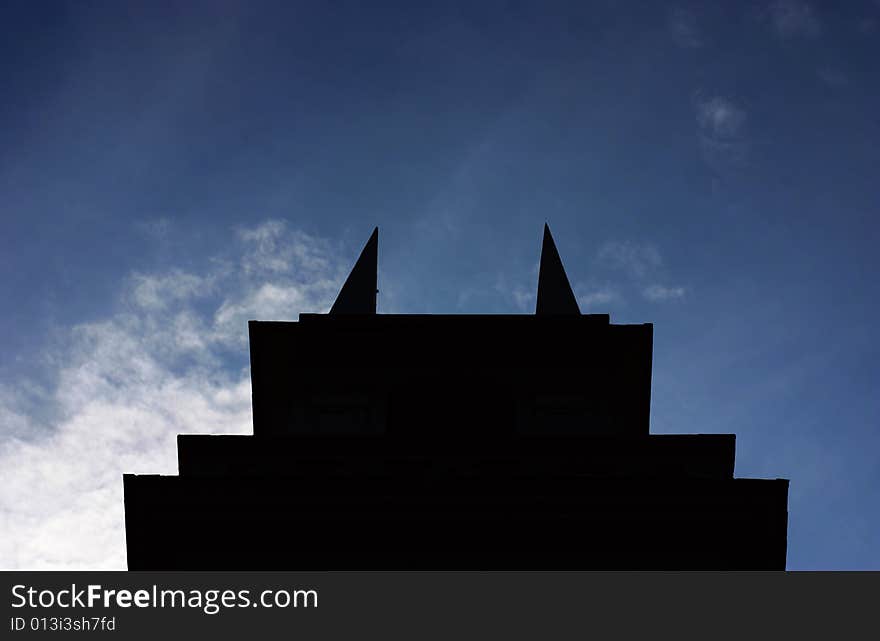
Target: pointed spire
x: 554, y: 291
x: 358, y: 294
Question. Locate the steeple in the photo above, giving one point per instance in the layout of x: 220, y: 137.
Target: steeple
x: 358, y: 294
x: 554, y: 291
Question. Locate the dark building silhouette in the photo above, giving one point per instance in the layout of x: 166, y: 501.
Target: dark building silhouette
x: 454, y: 442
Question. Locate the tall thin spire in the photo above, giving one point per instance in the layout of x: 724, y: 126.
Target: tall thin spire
x: 554, y: 291
x: 358, y: 294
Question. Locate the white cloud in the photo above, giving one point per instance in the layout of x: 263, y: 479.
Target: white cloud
x: 156, y: 228
x: 659, y: 293
x: 721, y: 130
x: 834, y: 78
x: 12, y: 420
x: 792, y: 18
x: 639, y: 260
x: 127, y: 385
x: 272, y: 248
x: 523, y: 293
x: 524, y: 299
x: 597, y: 297
x: 720, y: 117
x: 156, y: 291
x: 269, y: 301
x: 644, y: 265
x: 684, y: 29
x: 867, y: 26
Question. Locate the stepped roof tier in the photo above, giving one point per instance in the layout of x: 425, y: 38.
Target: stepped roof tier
x: 454, y: 442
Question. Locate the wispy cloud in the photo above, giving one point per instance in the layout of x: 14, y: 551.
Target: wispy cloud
x: 157, y: 291
x: 128, y: 384
x: 272, y: 248
x: 684, y: 29
x: 597, y: 297
x: 721, y: 125
x: 834, y: 78
x: 659, y: 293
x: 719, y: 117
x: 637, y: 259
x: 867, y: 26
x: 524, y: 299
x: 644, y: 266
x: 794, y: 18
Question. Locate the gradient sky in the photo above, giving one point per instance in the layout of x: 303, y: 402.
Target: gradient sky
x: 169, y: 170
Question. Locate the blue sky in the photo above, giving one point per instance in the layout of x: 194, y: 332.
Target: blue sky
x: 168, y: 172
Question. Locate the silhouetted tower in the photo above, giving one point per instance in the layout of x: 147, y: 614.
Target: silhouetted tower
x: 454, y: 442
